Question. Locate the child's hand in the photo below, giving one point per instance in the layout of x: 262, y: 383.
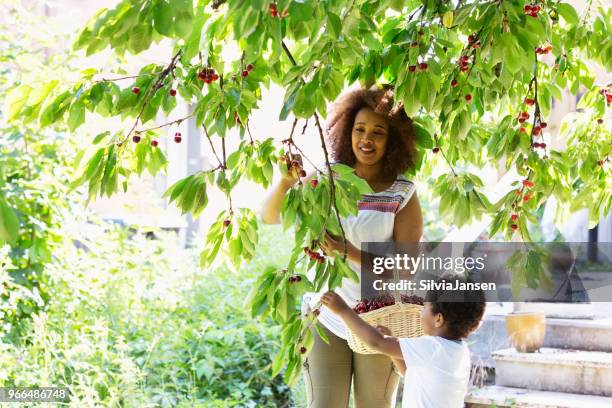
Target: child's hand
x: 334, y: 302
x: 384, y: 330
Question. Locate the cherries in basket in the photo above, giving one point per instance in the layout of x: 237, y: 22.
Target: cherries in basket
x: 367, y: 305
x: 414, y: 299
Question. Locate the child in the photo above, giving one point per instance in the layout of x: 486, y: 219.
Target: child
x: 436, y: 366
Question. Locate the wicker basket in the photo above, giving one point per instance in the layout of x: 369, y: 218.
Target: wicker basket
x: 403, y: 319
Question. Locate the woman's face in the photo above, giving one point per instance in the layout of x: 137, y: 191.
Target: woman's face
x: 369, y: 136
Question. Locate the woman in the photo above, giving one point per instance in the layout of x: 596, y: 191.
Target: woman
x: 365, y: 132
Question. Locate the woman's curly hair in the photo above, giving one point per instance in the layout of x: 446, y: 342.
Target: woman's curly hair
x: 401, y: 152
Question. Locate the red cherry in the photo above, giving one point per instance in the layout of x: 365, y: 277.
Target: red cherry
x: 471, y: 38
x: 477, y: 45
x: 609, y: 98
x: 543, y: 125
x: 136, y: 90
x: 522, y: 130
x: 600, y: 162
x: 321, y: 259
x: 154, y: 142
x: 226, y: 223
x: 454, y: 82
x: 249, y: 67
x: 514, y: 217
x: 435, y: 149
x: 414, y: 44
x: 514, y: 227
x: 202, y: 76
x: 536, y: 8
x: 525, y: 115
x: 537, y: 130
x: 528, y: 183
x: 468, y: 97
x: 214, y: 77
x: 173, y: 92
x: 464, y: 68
x: 421, y: 33
x: 303, y: 173
x: 245, y: 73
x: 314, y: 182
x: 600, y: 121
x: 136, y: 139
x: 412, y: 68
x: 208, y: 80
x: 423, y: 66
x: 527, y: 8
x: 178, y: 139
x: 543, y: 145
x: 529, y: 101
x: 316, y: 312
x: 526, y: 197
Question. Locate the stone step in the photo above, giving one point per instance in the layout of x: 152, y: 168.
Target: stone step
x: 578, y: 334
x: 551, y: 369
x: 502, y: 397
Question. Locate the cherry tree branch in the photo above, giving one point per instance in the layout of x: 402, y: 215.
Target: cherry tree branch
x: 332, y: 185
x: 212, y: 146
x: 177, y: 121
x: 151, y: 91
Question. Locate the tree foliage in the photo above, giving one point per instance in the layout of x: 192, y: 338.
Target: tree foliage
x: 478, y: 77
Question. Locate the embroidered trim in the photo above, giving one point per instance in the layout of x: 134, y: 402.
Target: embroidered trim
x: 386, y: 203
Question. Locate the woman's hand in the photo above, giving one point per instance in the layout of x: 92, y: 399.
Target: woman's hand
x: 334, y: 302
x: 330, y: 245
x: 294, y: 169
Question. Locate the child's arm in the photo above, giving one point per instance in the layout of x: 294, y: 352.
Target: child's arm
x: 368, y: 334
x: 400, y: 365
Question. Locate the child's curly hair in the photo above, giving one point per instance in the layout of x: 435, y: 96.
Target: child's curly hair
x: 462, y: 310
x: 401, y: 152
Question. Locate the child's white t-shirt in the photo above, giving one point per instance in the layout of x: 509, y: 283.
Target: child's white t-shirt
x: 437, y: 372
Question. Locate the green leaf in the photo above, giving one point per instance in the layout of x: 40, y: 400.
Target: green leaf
x: 9, y: 223
x: 16, y: 100
x: 568, y: 13
x: 76, y: 116
x: 335, y: 23
x: 162, y: 18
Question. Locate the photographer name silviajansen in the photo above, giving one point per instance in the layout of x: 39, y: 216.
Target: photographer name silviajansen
x: 451, y: 285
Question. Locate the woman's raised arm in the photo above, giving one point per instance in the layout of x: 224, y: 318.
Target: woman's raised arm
x: 270, y: 211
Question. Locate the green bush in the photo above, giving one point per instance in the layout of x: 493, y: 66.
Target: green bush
x: 133, y: 322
